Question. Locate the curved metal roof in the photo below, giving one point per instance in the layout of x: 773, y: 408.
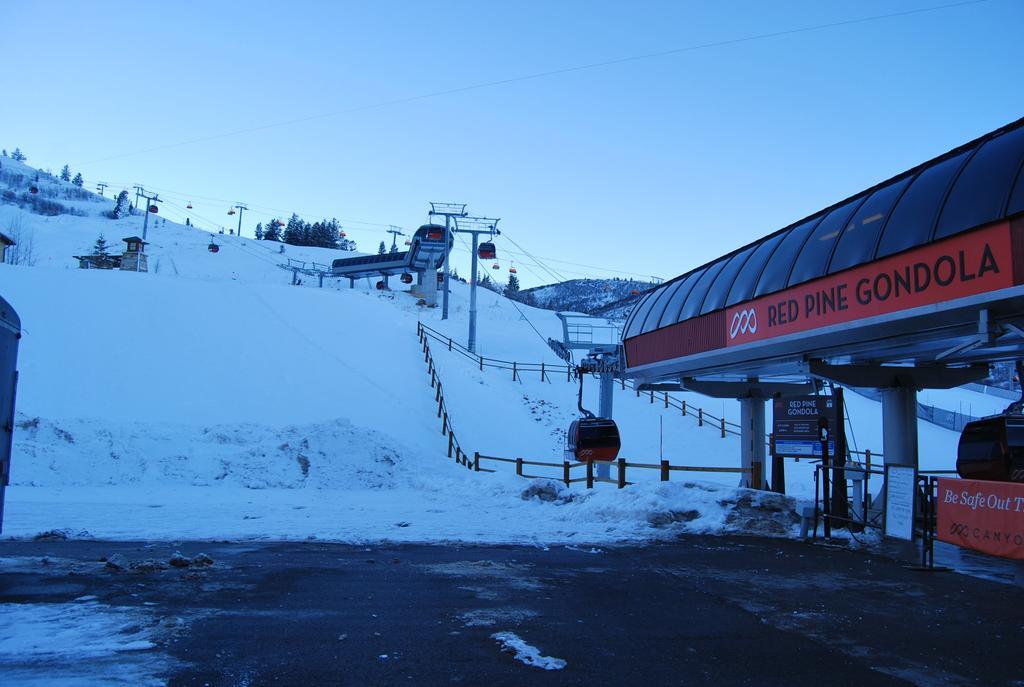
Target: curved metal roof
x: 977, y: 183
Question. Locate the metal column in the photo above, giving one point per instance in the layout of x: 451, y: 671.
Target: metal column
x: 472, y: 296
x: 899, y: 426
x: 607, y: 391
x: 752, y: 449
x: 447, y: 237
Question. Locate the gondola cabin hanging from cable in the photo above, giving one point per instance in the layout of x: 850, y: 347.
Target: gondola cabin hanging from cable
x: 154, y: 209
x: 381, y: 285
x: 590, y: 437
x: 231, y: 211
x: 342, y: 234
x: 408, y: 242
x: 33, y: 190
x: 406, y: 278
x: 486, y: 251
x: 213, y: 247
x: 594, y: 438
x: 495, y: 266
x: 512, y: 270
x: 189, y: 206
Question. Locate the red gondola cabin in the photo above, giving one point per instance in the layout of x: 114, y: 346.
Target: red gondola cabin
x: 594, y: 438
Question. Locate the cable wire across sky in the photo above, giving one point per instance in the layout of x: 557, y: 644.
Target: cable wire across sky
x: 541, y: 75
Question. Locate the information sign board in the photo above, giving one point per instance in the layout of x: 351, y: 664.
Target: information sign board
x: 900, y: 488
x: 795, y: 425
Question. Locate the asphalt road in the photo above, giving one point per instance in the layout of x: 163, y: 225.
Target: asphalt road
x: 702, y: 611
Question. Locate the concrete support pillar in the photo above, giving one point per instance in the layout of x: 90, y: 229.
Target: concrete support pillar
x: 429, y: 287
x: 752, y: 448
x: 899, y: 426
x: 607, y: 389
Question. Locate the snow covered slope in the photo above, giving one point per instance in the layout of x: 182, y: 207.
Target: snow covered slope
x: 210, y: 398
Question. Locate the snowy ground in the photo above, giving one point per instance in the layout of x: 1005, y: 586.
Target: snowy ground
x: 209, y: 398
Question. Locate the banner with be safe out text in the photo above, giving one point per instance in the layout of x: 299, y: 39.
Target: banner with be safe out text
x: 981, y: 515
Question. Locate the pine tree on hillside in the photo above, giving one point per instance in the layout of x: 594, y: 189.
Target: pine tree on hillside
x: 512, y: 288
x: 382, y: 249
x: 259, y: 231
x: 65, y: 173
x: 273, y: 231
x: 18, y: 156
x: 100, y: 247
x: 293, y: 231
x: 122, y: 207
x: 78, y: 180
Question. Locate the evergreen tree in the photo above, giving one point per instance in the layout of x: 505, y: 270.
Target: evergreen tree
x: 294, y: 231
x: 100, y: 247
x: 78, y: 180
x: 259, y: 231
x: 273, y: 231
x: 65, y: 173
x: 122, y: 207
x: 4, y: 152
x: 512, y: 288
x: 18, y: 155
x: 382, y: 249
x: 485, y: 282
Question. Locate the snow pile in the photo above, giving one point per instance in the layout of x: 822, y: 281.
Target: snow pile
x: 530, y: 655
x: 326, y: 455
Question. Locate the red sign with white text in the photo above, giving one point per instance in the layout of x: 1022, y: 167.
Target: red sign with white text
x: 960, y: 266
x: 981, y: 515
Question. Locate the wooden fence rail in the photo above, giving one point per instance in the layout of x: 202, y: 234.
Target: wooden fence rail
x: 566, y: 467
x: 546, y: 372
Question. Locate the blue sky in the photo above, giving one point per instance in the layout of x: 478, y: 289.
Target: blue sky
x: 650, y: 166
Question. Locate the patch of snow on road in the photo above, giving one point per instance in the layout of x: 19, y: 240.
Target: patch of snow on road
x: 530, y: 655
x: 77, y: 644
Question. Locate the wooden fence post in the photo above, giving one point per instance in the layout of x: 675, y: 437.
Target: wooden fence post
x: 440, y: 402
x: 515, y: 374
x: 652, y: 396
x: 590, y: 474
x: 755, y: 475
x: 664, y: 470
x: 542, y: 372
x: 568, y: 373
x: 519, y: 466
x: 451, y: 440
x: 481, y: 363
x: 700, y: 417
x: 723, y: 427
x: 565, y: 472
x: 458, y: 455
x: 637, y: 389
x: 449, y: 344
x: 444, y: 426
x: 476, y: 461
x: 666, y: 399
x: 437, y: 394
x: 684, y: 407
x: 623, y: 380
x: 622, y: 473
x: 433, y: 378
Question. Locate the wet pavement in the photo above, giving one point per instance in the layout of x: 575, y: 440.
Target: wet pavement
x: 701, y: 611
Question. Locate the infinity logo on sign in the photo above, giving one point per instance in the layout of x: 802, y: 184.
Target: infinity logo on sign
x: 743, y: 322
